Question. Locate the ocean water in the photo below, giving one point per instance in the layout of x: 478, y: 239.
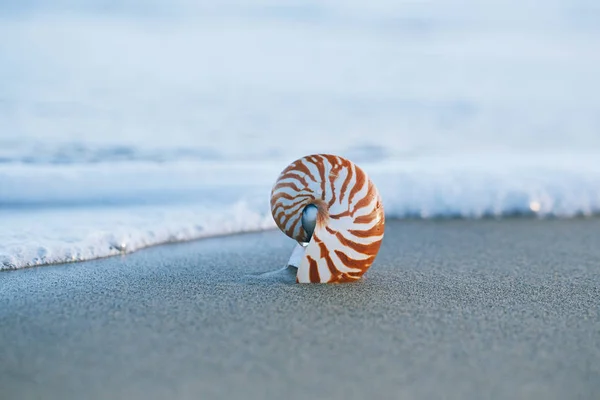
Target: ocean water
x: 125, y: 124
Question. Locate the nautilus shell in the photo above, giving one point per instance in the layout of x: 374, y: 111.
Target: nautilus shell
x: 333, y: 210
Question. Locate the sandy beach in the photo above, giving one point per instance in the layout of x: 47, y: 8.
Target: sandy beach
x: 451, y: 309
x: 139, y: 139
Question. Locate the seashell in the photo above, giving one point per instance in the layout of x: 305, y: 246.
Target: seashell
x: 333, y: 210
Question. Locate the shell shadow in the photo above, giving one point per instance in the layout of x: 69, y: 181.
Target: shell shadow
x: 285, y: 275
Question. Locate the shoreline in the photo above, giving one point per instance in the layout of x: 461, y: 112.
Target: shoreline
x: 125, y: 253
x: 509, y: 217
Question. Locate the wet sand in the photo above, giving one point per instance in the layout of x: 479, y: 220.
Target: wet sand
x: 450, y: 309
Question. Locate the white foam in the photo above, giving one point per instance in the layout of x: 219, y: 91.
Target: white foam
x: 54, y: 214
x: 44, y: 237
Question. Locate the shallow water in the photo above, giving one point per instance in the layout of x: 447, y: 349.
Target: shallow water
x: 131, y: 124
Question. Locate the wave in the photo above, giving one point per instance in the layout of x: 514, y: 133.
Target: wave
x: 57, y: 213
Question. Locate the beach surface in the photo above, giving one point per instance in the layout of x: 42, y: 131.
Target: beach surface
x: 453, y: 309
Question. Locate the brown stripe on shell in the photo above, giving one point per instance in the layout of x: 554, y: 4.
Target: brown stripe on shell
x: 287, y: 196
x: 321, y: 168
x: 367, y: 249
x: 346, y: 183
x: 299, y: 166
x: 376, y: 230
x: 360, y: 182
x: 365, y: 201
x: 313, y: 270
x: 330, y: 265
x: 333, y: 174
x: 290, y: 185
x: 353, y: 263
x: 365, y: 219
x: 285, y: 209
x: 291, y: 175
x: 293, y: 227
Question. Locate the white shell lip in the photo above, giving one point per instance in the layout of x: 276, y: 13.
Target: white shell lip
x: 297, y: 254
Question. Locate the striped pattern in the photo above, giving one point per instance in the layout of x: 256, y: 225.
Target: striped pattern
x: 350, y: 221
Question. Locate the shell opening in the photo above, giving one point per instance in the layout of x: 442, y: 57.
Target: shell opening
x: 309, y: 219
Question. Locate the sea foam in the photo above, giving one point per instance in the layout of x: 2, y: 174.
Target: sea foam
x: 57, y: 214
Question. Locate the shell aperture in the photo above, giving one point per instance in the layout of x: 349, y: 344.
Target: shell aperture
x: 309, y: 219
x: 333, y: 210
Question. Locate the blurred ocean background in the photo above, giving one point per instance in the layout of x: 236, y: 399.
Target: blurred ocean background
x: 125, y: 124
